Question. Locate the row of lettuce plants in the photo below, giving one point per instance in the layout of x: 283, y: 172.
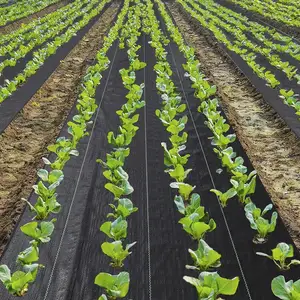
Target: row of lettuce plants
x: 287, y: 12
x: 215, y: 24
x: 22, y: 9
x: 264, y: 34
x: 243, y: 184
x: 34, y: 25
x: 58, y: 27
x: 33, y: 30
x: 195, y: 221
x: 289, y: 97
x: 117, y: 249
x: 40, y: 229
x: 40, y: 56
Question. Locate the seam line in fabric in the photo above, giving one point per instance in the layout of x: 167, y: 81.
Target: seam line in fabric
x: 146, y: 173
x: 79, y: 176
x: 210, y: 174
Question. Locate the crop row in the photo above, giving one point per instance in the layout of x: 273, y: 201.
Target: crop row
x: 270, y: 37
x: 50, y: 48
x: 246, y: 48
x: 36, y: 38
x: 284, y: 11
x: 21, y: 32
x: 22, y: 9
x: 243, y: 184
x: 195, y: 221
x: 221, y: 23
x: 117, y: 286
x: 40, y: 230
x: 33, y: 30
x: 2, y: 2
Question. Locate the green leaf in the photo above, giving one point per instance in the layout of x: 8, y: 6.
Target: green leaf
x: 116, y: 230
x: 5, y: 274
x: 180, y: 204
x: 117, y: 191
x: 116, y: 252
x: 227, y: 286
x: 204, y: 257
x: 116, y: 286
x: 185, y: 189
x: 43, y: 174
x: 282, y: 289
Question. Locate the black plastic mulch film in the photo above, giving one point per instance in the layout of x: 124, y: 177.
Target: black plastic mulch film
x: 270, y: 95
x: 73, y: 257
x: 11, y: 106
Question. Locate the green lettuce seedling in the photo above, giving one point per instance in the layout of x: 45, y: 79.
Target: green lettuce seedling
x: 46, y: 202
x: 211, y: 285
x: 29, y: 255
x: 205, y: 257
x: 260, y: 224
x: 184, y: 189
x: 194, y: 205
x: 123, y: 189
x: 179, y: 174
x: 116, y: 286
x: 115, y: 230
x: 224, y: 197
x: 124, y: 209
x: 244, y: 185
x: 39, y: 232
x: 289, y: 290
x: 116, y: 252
x: 196, y: 226
x: 173, y: 157
x: 280, y: 254
x: 18, y: 282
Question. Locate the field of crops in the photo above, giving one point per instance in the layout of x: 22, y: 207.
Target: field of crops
x: 149, y: 149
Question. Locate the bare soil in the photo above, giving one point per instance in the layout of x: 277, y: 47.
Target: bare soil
x: 25, y: 141
x: 271, y: 146
x: 47, y: 10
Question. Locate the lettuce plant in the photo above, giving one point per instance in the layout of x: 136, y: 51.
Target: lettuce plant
x: 205, y: 257
x: 30, y: 255
x: 196, y: 225
x: 184, y: 189
x: 289, y: 290
x: 115, y: 230
x: 124, y: 208
x: 178, y: 173
x: 116, y: 286
x: 188, y: 208
x: 210, y: 285
x: 116, y: 252
x: 280, y: 254
x: 18, y: 282
x: 40, y: 232
x: 244, y: 185
x: 46, y: 202
x: 173, y: 157
x: 259, y: 223
x: 224, y: 197
x: 119, y: 190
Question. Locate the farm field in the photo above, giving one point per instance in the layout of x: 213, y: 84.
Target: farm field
x: 149, y: 149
